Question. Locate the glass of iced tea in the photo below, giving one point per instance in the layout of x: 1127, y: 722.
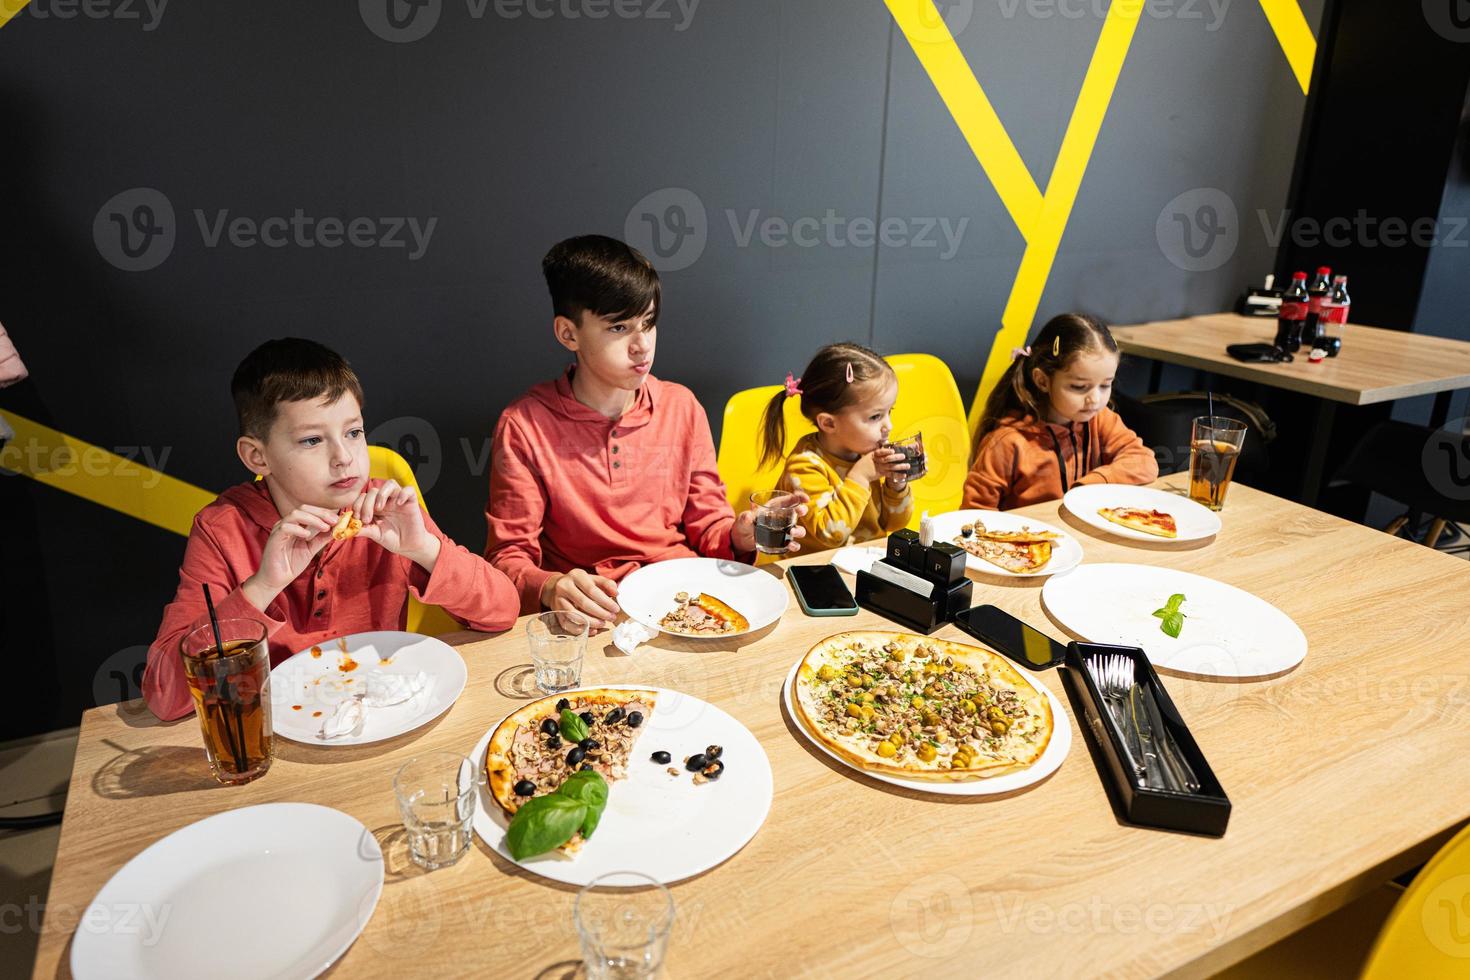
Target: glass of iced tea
x: 231, y: 688
x: 913, y: 452
x: 775, y: 516
x: 1214, y: 449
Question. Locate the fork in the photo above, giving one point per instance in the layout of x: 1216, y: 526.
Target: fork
x: 1113, y: 674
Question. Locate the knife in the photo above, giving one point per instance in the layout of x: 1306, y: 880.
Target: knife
x: 1174, y: 762
x: 1154, y: 774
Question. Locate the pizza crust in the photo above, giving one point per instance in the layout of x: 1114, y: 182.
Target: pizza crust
x: 347, y: 525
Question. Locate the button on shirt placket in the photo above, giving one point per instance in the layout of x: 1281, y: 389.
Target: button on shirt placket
x: 320, y: 598
x: 617, y: 466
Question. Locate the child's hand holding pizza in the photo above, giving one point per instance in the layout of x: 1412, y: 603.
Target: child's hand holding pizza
x: 391, y: 516
x: 293, y: 543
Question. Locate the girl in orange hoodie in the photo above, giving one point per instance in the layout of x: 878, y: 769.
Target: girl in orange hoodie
x: 1047, y: 426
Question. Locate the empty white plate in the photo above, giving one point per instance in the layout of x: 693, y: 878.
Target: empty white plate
x: 659, y: 824
x: 1194, y: 521
x: 1227, y: 632
x: 647, y: 595
x: 1066, y: 553
x: 307, y: 688
x: 278, y: 890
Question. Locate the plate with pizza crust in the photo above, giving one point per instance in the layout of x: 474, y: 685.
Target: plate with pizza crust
x: 661, y: 824
x: 1192, y: 521
x: 1015, y: 548
x: 1226, y: 632
x: 703, y: 598
x: 1003, y: 772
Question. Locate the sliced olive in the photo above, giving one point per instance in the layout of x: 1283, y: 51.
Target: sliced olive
x: 695, y: 762
x: 563, y: 704
x: 661, y: 757
x: 635, y: 718
x: 614, y: 716
x: 587, y: 717
x: 714, y: 752
x: 554, y: 742
x: 525, y: 788
x: 549, y: 727
x: 712, y: 769
x: 589, y: 743
x: 576, y: 755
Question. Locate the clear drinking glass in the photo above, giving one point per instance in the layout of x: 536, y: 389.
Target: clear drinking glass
x: 1214, y: 449
x: 623, y: 921
x: 775, y: 516
x: 436, y: 796
x: 913, y: 451
x: 231, y: 689
x: 558, y: 641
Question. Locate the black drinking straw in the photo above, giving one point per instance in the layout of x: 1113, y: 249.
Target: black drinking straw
x: 1210, y: 395
x: 235, y: 740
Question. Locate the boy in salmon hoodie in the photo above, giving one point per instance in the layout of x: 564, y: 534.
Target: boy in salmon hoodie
x: 606, y: 468
x: 266, y: 547
x: 1047, y: 426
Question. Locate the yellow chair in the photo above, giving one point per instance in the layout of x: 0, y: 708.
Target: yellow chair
x: 737, y: 457
x: 385, y: 464
x: 1428, y: 932
x: 929, y: 401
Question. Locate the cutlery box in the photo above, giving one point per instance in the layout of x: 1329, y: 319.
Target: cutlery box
x: 1205, y: 812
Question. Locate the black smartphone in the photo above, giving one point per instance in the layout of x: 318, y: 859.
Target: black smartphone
x: 821, y: 591
x: 1024, y: 644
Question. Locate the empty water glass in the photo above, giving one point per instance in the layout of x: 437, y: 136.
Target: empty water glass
x: 623, y: 921
x: 558, y: 642
x: 436, y: 795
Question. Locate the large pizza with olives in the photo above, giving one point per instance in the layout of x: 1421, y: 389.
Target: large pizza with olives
x: 920, y: 708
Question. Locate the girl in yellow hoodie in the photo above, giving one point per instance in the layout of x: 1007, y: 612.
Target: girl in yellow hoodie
x: 858, y: 484
x: 1047, y: 426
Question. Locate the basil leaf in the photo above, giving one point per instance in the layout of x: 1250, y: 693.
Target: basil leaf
x: 543, y: 824
x: 573, y: 728
x: 588, y: 787
x: 1172, y: 624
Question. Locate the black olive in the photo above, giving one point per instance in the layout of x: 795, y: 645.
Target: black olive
x: 587, y: 717
x: 695, y: 762
x: 586, y: 766
x: 576, y: 755
x: 635, y: 718
x: 563, y: 704
x: 554, y: 742
x: 614, y: 716
x: 714, y: 769
x: 967, y: 531
x: 590, y: 744
x: 525, y: 788
x: 549, y: 727
x: 714, y: 752
x: 661, y: 757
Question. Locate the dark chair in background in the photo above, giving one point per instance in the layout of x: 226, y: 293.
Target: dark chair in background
x: 1164, y: 423
x: 1427, y: 470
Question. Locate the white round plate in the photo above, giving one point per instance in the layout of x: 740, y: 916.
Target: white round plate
x: 319, y: 677
x: 1050, y: 761
x: 661, y: 825
x: 1066, y: 553
x: 278, y: 890
x: 1227, y: 632
x: 647, y: 594
x: 1195, y: 521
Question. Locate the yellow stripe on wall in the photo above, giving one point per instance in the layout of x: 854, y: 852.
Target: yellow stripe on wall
x: 9, y: 8
x: 101, y: 476
x: 1295, y: 37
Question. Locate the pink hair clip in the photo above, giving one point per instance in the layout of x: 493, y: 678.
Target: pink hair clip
x: 849, y: 372
x: 1019, y: 352
x: 793, y: 385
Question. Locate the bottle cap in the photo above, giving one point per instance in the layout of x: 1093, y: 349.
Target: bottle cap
x: 1298, y: 275
x: 1339, y: 278
x: 1323, y: 270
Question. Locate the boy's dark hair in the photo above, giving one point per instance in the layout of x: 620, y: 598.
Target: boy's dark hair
x: 601, y: 275
x: 287, y: 370
x: 1061, y: 341
x: 838, y: 376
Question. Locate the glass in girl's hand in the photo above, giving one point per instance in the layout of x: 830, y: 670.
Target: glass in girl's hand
x: 913, y: 451
x: 775, y: 516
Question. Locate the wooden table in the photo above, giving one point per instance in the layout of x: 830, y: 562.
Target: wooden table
x: 1376, y: 365
x: 1343, y: 773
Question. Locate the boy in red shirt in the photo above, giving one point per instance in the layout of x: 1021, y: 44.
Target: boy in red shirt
x: 606, y: 468
x: 266, y: 550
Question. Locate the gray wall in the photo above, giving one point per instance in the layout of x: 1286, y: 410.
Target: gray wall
x: 513, y: 133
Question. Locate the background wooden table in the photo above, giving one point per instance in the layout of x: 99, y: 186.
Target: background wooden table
x: 1343, y: 773
x: 1375, y: 365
